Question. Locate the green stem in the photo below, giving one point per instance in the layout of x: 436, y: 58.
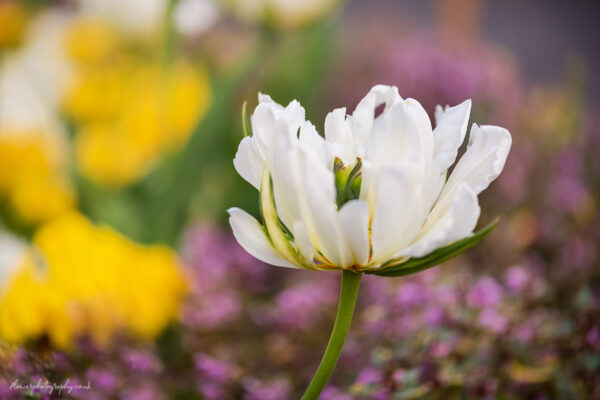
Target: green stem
x: 169, y: 36
x: 348, y: 295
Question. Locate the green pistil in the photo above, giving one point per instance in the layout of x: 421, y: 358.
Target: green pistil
x: 348, y: 179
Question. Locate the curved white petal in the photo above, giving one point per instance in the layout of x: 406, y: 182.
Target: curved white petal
x: 484, y: 159
x: 249, y: 161
x: 363, y: 117
x: 369, y: 185
x: 264, y: 98
x: 338, y: 130
x: 267, y: 119
x: 317, y: 198
x: 310, y: 139
x: 263, y: 121
x: 433, y: 183
x: 285, y: 174
x: 302, y: 240
x: 395, y: 137
x: 398, y: 214
x: 443, y: 227
x: 304, y: 190
x: 354, y: 219
x: 449, y: 133
x: 423, y: 124
x: 250, y: 235
x: 268, y: 115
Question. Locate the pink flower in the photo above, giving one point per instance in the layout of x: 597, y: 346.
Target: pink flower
x: 485, y: 293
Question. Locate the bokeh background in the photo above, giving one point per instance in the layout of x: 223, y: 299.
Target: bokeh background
x: 118, y: 125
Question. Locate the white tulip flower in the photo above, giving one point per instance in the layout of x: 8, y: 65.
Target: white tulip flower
x: 374, y: 194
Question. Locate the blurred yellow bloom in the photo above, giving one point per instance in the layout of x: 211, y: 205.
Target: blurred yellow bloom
x: 41, y: 198
x: 90, y: 41
x: 140, y: 115
x: 34, y: 180
x: 13, y: 20
x: 32, y: 177
x: 128, y: 109
x: 85, y: 280
x: 97, y: 94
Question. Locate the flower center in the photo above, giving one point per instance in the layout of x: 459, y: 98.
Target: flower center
x: 348, y: 179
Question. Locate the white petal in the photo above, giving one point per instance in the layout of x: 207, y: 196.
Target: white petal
x: 304, y: 190
x: 447, y: 138
x: 310, y: 139
x: 251, y: 236
x: 268, y: 115
x: 449, y: 133
x: 268, y: 120
x: 354, y: 219
x: 395, y: 137
x: 339, y: 131
x: 316, y: 194
x: 264, y: 98
x: 484, y: 159
x: 302, y: 240
x: 285, y: 178
x: 446, y: 226
x: 263, y: 120
x: 249, y: 161
x: 433, y: 183
x: 363, y: 117
x: 398, y: 213
x: 423, y: 123
x: 294, y: 113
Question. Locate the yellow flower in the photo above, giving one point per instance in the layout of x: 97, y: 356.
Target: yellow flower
x: 32, y: 176
x: 131, y: 117
x: 34, y: 179
x: 91, y: 41
x: 84, y: 280
x: 96, y: 95
x: 13, y: 20
x: 128, y: 108
x: 42, y: 198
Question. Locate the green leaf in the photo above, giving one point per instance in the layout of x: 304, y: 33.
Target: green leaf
x: 413, y: 265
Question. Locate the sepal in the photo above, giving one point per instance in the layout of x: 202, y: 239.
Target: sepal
x: 414, y: 265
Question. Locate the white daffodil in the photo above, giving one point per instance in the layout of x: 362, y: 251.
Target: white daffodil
x: 374, y: 194
x: 283, y: 14
x: 140, y: 17
x: 43, y: 60
x: 195, y: 17
x: 24, y: 108
x: 12, y: 255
